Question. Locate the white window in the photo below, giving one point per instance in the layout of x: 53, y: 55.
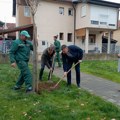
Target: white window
x: 61, y: 10
x: 70, y: 12
x: 83, y: 11
x: 26, y: 11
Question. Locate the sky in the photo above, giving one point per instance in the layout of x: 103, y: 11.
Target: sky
x: 6, y: 10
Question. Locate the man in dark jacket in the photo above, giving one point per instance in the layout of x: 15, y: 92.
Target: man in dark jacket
x: 47, y: 59
x: 19, y: 55
x: 71, y: 54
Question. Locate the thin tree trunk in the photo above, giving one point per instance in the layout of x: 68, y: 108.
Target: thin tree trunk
x: 35, y: 57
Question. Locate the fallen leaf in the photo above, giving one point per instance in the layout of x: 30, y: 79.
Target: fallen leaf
x: 88, y: 119
x: 29, y: 117
x: 82, y: 104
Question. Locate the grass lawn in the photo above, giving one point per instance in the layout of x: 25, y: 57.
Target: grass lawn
x: 104, y: 69
x: 61, y: 104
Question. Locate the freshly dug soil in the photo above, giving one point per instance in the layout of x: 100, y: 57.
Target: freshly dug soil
x: 49, y: 86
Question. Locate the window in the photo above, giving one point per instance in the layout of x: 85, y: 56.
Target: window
x: 103, y: 23
x: 94, y: 22
x: 83, y: 39
x: 70, y: 12
x: 27, y: 11
x: 43, y: 42
x: 61, y: 36
x: 111, y: 24
x: 92, y: 39
x: 83, y: 11
x: 61, y: 10
x: 69, y: 37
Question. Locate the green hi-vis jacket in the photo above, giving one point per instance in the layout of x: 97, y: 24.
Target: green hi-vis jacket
x: 57, y: 46
x: 20, y: 50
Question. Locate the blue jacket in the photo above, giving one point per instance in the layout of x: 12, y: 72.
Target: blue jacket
x: 75, y: 53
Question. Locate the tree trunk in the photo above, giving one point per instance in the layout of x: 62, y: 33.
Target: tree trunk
x: 35, y: 57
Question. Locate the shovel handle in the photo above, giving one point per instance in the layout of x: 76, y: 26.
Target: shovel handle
x: 67, y: 73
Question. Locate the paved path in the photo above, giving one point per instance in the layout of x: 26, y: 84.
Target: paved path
x: 101, y: 87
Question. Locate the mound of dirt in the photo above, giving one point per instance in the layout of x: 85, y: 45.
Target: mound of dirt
x: 49, y: 86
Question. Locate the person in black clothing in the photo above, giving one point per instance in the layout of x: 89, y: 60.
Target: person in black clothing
x: 46, y: 60
x: 71, y: 54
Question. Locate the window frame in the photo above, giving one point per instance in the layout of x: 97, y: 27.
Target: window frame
x: 70, y: 9
x: 69, y: 40
x: 61, y: 10
x: 83, y: 11
x: 28, y: 9
x: 61, y: 36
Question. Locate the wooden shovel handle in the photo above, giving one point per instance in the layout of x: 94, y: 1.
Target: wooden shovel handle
x: 67, y: 73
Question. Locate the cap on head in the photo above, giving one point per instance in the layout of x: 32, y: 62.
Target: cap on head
x: 25, y: 33
x: 63, y: 47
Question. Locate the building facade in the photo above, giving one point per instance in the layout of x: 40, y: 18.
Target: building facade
x: 82, y: 23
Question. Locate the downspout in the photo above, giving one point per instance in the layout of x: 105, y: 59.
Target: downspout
x: 74, y: 3
x: 74, y: 21
x: 118, y: 18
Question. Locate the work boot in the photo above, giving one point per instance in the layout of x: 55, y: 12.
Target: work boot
x: 16, y: 87
x: 29, y: 89
x: 78, y: 85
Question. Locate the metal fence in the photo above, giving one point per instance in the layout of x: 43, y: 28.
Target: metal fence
x: 5, y: 46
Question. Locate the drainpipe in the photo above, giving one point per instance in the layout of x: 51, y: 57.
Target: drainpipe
x: 74, y: 3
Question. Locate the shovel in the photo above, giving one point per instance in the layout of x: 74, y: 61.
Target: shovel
x: 50, y: 72
x: 65, y: 76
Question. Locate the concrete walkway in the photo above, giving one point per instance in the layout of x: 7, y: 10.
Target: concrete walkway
x: 101, y: 87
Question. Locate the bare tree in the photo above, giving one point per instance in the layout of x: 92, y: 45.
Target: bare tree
x: 33, y: 4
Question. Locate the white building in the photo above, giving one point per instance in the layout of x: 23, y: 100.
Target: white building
x: 80, y: 22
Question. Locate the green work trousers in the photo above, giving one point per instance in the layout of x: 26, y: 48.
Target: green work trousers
x: 25, y: 75
x: 57, y: 59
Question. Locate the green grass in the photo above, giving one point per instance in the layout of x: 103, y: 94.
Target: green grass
x: 104, y: 69
x: 62, y: 104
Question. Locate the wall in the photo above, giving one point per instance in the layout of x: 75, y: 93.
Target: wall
x: 4, y: 58
x: 96, y: 13
x: 103, y: 14
x: 82, y: 22
x: 116, y: 36
x: 20, y: 18
x: 100, y: 56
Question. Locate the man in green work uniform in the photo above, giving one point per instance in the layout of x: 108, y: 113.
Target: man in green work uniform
x: 19, y: 55
x: 57, y: 50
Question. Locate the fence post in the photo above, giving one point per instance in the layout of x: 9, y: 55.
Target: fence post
x: 119, y: 62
